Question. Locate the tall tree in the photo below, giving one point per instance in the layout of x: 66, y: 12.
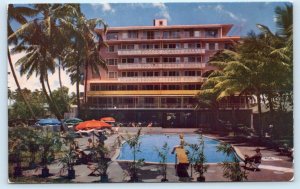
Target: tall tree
x: 18, y: 14
x: 84, y: 52
x: 37, y: 40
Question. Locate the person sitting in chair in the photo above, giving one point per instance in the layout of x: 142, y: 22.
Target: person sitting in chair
x: 254, y: 160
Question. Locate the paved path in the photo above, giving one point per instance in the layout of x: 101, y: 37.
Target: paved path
x: 273, y: 168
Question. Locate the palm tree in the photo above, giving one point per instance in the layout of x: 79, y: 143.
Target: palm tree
x: 208, y: 96
x: 18, y: 14
x: 84, y: 52
x: 37, y: 40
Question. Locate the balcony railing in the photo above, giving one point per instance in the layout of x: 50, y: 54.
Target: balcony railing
x: 162, y: 79
x: 142, y: 92
x: 137, y: 52
x: 160, y: 65
x: 143, y: 106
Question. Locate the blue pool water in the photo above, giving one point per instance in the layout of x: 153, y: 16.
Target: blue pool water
x: 150, y: 142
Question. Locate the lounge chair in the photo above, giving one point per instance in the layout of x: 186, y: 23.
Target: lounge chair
x: 253, y: 163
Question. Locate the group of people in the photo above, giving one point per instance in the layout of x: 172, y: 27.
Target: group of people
x: 85, y: 156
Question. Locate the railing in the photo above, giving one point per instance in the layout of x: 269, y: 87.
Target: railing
x: 160, y: 65
x: 181, y: 36
x: 143, y: 106
x: 162, y: 79
x: 160, y: 51
x: 142, y: 92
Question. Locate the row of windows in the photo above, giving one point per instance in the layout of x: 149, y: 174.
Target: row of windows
x: 208, y: 46
x: 114, y: 61
x: 158, y: 46
x: 162, y: 35
x: 98, y: 87
x: 164, y: 73
x: 131, y: 100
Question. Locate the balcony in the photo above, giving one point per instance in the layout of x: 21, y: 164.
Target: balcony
x: 143, y: 106
x: 137, y: 52
x: 160, y: 66
x: 142, y: 92
x: 187, y: 79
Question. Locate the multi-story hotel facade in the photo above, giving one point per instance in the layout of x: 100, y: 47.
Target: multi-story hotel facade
x: 154, y: 73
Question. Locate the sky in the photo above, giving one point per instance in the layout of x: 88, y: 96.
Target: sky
x: 243, y: 15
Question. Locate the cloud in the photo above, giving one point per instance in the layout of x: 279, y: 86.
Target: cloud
x: 200, y: 7
x: 163, y: 10
x: 105, y: 7
x: 220, y: 9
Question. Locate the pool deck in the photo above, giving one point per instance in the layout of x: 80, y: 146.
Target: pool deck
x: 274, y: 167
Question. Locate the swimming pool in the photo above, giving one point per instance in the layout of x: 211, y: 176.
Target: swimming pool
x: 150, y: 142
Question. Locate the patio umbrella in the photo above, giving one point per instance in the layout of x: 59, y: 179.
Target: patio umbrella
x: 108, y: 119
x: 48, y: 122
x: 92, y: 124
x: 73, y: 121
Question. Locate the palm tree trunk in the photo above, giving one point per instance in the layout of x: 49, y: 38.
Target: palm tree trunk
x: 271, y: 106
x: 18, y: 85
x: 51, y: 105
x: 85, y: 81
x: 77, y: 90
x: 259, y: 116
x: 59, y: 76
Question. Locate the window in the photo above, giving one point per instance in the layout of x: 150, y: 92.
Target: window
x: 147, y: 74
x: 192, y: 59
x: 174, y: 87
x: 189, y: 73
x: 217, y: 46
x: 189, y: 87
x: 160, y: 23
x: 112, y: 36
x: 124, y: 35
x: 133, y: 34
x: 148, y: 35
x: 111, y: 48
x: 152, y: 60
x: 166, y: 35
x: 196, y: 33
x: 112, y: 74
x: 126, y: 46
x: 173, y: 73
x: 188, y: 33
x: 211, y: 46
x: 157, y: 35
x: 211, y: 33
x: 149, y: 100
x: 132, y: 74
x: 130, y: 60
x: 132, y: 87
x: 169, y: 59
x: 192, y: 73
x: 112, y: 62
x: 175, y: 34
x: 94, y: 87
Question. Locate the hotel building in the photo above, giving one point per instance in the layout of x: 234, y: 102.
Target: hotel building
x: 154, y: 73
